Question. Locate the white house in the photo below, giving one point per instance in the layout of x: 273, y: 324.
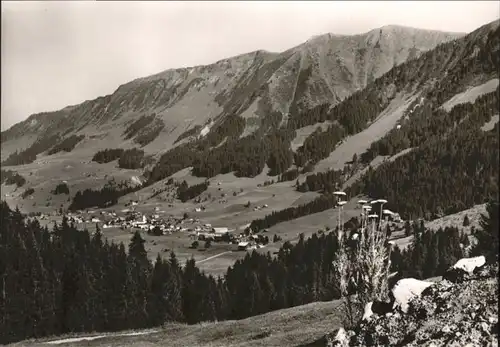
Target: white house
x: 242, y: 246
x: 223, y: 230
x: 143, y: 220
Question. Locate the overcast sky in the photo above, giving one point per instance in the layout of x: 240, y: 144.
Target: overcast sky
x: 56, y: 54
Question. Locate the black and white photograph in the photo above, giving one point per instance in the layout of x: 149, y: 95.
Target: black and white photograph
x: 249, y: 173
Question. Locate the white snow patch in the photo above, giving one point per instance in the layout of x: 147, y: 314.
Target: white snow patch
x: 491, y: 124
x: 90, y: 338
x: 341, y: 335
x: 469, y: 264
x: 406, y: 289
x: 136, y: 180
x: 471, y: 94
x: 204, y: 131
x: 368, y: 311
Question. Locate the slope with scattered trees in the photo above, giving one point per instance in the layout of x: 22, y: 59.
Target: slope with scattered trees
x: 28, y: 155
x: 10, y: 177
x: 136, y: 126
x: 107, y: 155
x: 185, y: 192
x: 104, y: 197
x: 131, y: 159
x: 61, y: 188
x: 67, y: 144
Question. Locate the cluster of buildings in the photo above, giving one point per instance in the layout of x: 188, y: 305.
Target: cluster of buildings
x: 158, y: 223
x: 206, y: 232
x: 154, y: 223
x: 256, y: 208
x: 252, y: 242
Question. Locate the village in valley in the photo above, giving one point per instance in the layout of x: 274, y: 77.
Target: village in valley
x: 159, y: 223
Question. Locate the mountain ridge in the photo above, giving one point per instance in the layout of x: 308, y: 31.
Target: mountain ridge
x: 169, y: 86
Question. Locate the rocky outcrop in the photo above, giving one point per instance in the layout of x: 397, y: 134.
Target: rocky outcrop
x: 461, y: 313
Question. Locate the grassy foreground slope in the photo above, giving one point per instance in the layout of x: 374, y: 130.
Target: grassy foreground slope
x: 293, y: 327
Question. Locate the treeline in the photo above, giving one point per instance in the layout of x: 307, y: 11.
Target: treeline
x: 192, y: 154
x: 67, y: 145
x: 188, y: 133
x: 428, y: 123
x: 66, y: 280
x: 280, y: 156
x: 322, y: 203
x: 289, y: 175
x: 431, y: 252
x: 230, y: 128
x: 107, y: 155
x: 441, y: 176
x: 149, y: 133
x: 448, y: 143
x: 319, y: 145
x: 28, y: 155
x: 327, y: 182
x: 137, y: 125
x: 11, y: 177
x: 246, y: 156
x: 478, y: 56
x: 27, y: 193
x: 351, y: 116
x: 104, y: 197
x: 132, y: 159
x: 61, y: 188
x: 170, y: 162
x: 185, y: 192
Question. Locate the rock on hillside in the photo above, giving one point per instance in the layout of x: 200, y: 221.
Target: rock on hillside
x: 324, y: 69
x: 446, y: 313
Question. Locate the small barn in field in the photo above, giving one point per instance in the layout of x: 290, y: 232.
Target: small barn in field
x: 242, y: 246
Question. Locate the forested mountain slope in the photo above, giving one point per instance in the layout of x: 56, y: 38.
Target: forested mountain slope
x: 452, y: 162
